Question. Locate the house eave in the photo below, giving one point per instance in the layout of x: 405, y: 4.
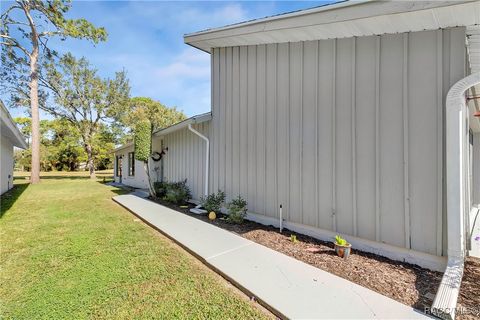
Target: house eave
x: 178, y: 126
x: 10, y: 129
x: 341, y: 20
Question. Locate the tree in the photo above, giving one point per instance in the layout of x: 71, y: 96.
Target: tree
x: 37, y: 22
x: 86, y: 100
x: 143, y: 147
x: 160, y: 116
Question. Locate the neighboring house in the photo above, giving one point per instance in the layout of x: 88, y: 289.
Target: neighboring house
x: 340, y: 114
x: 10, y: 137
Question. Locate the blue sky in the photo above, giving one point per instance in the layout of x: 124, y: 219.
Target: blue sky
x: 146, y: 39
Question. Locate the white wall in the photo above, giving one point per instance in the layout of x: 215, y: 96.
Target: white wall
x: 139, y: 180
x: 6, y: 165
x: 347, y: 134
x: 185, y: 158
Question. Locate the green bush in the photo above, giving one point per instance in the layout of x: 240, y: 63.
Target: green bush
x: 174, y: 192
x: 214, y: 201
x: 143, y: 140
x: 237, y: 210
x: 160, y: 188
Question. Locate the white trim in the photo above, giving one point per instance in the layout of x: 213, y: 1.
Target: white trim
x: 421, y: 259
x: 456, y: 121
x: 16, y: 137
x: 204, y: 117
x: 341, y: 20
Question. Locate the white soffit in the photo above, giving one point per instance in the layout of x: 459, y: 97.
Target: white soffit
x: 342, y: 20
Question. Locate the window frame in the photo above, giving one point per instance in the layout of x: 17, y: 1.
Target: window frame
x: 131, y: 164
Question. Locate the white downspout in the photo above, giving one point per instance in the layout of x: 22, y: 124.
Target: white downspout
x: 207, y: 155
x: 446, y: 299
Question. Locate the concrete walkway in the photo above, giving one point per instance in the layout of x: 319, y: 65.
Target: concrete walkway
x: 290, y: 288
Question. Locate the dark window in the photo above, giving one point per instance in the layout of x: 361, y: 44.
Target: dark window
x: 131, y: 164
x: 118, y: 166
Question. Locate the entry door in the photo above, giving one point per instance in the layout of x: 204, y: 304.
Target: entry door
x: 119, y: 166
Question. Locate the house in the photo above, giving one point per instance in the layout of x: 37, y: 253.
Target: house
x: 10, y: 137
x: 358, y: 118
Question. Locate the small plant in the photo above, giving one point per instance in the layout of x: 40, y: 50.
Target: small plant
x: 175, y: 192
x: 340, y: 241
x: 213, y: 202
x: 237, y: 210
x: 293, y: 238
x: 342, y: 247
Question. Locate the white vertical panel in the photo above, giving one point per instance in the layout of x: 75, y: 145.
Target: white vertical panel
x: 423, y: 146
x: 270, y: 131
x: 243, y: 123
x: 215, y: 82
x: 309, y: 133
x: 229, y: 125
x: 252, y: 126
x: 406, y: 184
x: 295, y: 201
x: 325, y: 127
x: 260, y: 129
x: 391, y: 141
x: 235, y: 121
x: 223, y: 119
x: 343, y: 136
x: 365, y: 100
x: 283, y: 137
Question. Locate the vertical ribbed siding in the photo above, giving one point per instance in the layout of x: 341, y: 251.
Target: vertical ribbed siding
x: 185, y: 158
x: 347, y: 134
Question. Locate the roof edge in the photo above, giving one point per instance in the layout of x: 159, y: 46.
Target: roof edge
x: 200, y: 118
x: 11, y: 125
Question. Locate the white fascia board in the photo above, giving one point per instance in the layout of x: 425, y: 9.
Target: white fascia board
x: 193, y: 120
x: 346, y: 19
x: 183, y: 124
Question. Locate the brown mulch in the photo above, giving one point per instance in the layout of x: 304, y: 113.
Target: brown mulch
x: 404, y: 282
x: 468, y: 305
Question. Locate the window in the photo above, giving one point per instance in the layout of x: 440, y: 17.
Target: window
x: 118, y: 166
x: 131, y: 164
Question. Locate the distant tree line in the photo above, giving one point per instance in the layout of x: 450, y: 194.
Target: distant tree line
x: 91, y: 113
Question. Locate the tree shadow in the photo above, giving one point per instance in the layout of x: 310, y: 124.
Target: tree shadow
x: 8, y: 198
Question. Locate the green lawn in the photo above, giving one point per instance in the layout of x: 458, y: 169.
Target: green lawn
x: 68, y: 251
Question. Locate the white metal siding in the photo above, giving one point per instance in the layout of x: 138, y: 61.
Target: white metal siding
x: 185, y: 158
x: 347, y: 134
x: 6, y: 165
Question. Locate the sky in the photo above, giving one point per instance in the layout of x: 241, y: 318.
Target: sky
x: 146, y: 39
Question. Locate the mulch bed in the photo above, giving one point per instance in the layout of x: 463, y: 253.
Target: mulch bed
x: 468, y: 305
x: 404, y: 282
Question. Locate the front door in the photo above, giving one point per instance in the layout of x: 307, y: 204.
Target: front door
x: 118, y: 167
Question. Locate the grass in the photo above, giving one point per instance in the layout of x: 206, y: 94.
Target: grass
x: 69, y: 252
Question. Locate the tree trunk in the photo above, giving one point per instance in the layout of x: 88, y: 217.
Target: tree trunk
x: 146, y: 166
x: 35, y: 170
x: 91, y: 167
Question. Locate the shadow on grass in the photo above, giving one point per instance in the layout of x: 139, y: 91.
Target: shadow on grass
x: 8, y: 198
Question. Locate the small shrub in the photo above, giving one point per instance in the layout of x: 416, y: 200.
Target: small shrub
x: 213, y: 202
x: 237, y: 210
x: 174, y: 192
x: 160, y: 188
